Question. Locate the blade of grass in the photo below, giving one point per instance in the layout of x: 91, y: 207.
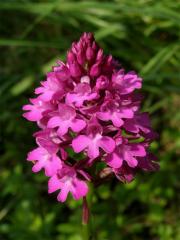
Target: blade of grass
x: 26, y: 43
x: 40, y: 8
x: 108, y: 30
x: 157, y: 61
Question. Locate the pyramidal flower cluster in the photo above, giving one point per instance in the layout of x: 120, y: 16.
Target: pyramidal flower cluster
x: 88, y: 112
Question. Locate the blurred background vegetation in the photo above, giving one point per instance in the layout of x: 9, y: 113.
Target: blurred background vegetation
x: 143, y: 35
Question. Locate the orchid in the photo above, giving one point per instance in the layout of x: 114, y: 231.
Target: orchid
x: 43, y: 159
x: 89, y: 105
x: 66, y: 118
x: 66, y: 180
x: 93, y: 140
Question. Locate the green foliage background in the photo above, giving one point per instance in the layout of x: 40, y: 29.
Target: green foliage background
x: 143, y: 35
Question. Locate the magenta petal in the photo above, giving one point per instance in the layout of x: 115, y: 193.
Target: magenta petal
x: 57, y: 122
x: 34, y: 115
x: 126, y: 113
x: 47, y: 96
x: 130, y: 126
x: 66, y: 113
x: 114, y: 160
x: 37, y: 167
x: 77, y: 125
x: 81, y: 189
x: 50, y: 162
x: 138, y: 150
x: 54, y: 184
x: 71, y: 98
x: 93, y: 150
x: 54, y: 122
x: 62, y: 196
x: 35, y: 154
x: 104, y: 116
x: 52, y: 166
x: 39, y: 90
x: 80, y: 143
x: 27, y: 107
x: 107, y: 144
x: 63, y: 128
x: 131, y: 161
x: 117, y: 121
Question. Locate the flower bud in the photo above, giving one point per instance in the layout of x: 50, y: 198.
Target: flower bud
x: 70, y: 56
x: 81, y: 57
x: 95, y: 70
x: 89, y: 53
x: 99, y: 56
x: 75, y: 69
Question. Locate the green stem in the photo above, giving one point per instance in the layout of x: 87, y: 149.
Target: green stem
x: 86, y: 232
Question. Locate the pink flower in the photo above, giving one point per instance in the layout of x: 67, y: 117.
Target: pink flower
x: 140, y: 122
x: 67, y: 181
x: 125, y: 151
x: 43, y: 159
x: 88, y: 112
x: 112, y: 110
x: 65, y: 119
x: 36, y: 110
x: 93, y: 141
x: 48, y: 139
x: 82, y: 92
x: 51, y: 88
x: 126, y: 83
x: 62, y: 73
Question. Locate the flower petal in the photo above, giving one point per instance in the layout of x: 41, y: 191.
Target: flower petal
x: 93, y: 150
x: 80, y: 143
x: 77, y: 125
x: 52, y: 166
x: 116, y: 119
x: 62, y: 196
x: 107, y: 144
x: 54, y: 122
x: 80, y: 188
x: 54, y: 184
x: 114, y: 160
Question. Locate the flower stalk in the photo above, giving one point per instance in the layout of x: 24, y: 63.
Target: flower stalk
x: 87, y: 230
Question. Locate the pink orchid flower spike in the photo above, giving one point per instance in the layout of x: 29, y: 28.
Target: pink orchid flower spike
x: 88, y: 109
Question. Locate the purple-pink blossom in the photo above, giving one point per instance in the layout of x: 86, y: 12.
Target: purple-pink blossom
x: 90, y: 106
x: 125, y: 151
x: 66, y: 181
x: 93, y: 140
x: 64, y: 119
x: 44, y: 159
